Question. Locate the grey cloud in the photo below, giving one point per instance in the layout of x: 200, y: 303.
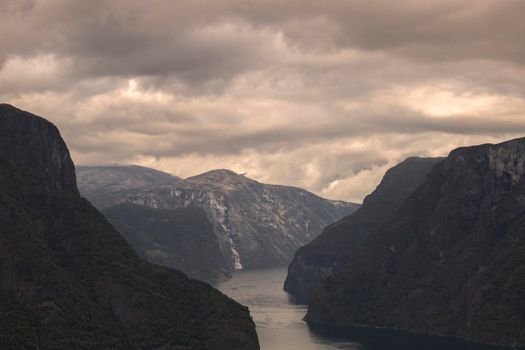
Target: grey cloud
x: 132, y: 38
x: 159, y: 132
x: 428, y: 30
x: 166, y: 37
x: 325, y: 95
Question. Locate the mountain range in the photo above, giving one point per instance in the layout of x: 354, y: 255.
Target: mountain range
x: 68, y: 279
x: 450, y: 260
x: 438, y: 248
x: 334, y: 249
x: 255, y: 225
x: 182, y: 238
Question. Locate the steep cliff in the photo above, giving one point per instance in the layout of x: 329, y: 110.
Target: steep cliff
x: 450, y: 262
x: 68, y: 280
x: 179, y: 238
x: 335, y: 247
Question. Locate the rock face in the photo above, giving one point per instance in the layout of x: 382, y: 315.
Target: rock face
x: 450, y: 262
x: 105, y: 184
x: 334, y: 248
x: 179, y: 238
x: 257, y: 225
x: 68, y: 280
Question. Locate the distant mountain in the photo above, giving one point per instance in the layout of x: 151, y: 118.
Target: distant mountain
x: 257, y: 225
x: 451, y: 260
x: 181, y: 238
x: 334, y: 248
x: 102, y: 183
x: 68, y: 280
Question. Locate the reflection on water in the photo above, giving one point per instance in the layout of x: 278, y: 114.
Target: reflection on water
x: 280, y: 325
x: 279, y: 321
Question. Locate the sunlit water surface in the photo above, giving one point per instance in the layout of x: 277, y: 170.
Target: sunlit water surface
x: 280, y: 324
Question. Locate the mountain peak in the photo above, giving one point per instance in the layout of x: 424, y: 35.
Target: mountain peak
x: 99, y: 183
x: 333, y: 249
x: 219, y: 172
x: 454, y: 239
x: 506, y: 158
x: 224, y: 178
x: 26, y: 136
x: 257, y: 225
x: 123, y: 175
x: 70, y: 281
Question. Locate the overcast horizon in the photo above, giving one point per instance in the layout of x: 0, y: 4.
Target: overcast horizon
x: 321, y: 95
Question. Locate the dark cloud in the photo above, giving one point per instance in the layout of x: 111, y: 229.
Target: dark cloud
x: 324, y: 95
x: 204, y: 40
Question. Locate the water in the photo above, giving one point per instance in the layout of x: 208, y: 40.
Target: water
x: 280, y: 325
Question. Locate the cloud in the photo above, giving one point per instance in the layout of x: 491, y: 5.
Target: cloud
x: 321, y: 95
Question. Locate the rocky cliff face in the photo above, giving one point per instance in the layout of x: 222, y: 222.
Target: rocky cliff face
x: 257, y: 225
x: 105, y: 184
x: 182, y: 238
x: 334, y: 248
x: 68, y: 280
x: 26, y: 141
x: 451, y: 261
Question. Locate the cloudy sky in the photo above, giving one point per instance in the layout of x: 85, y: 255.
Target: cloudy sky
x: 325, y: 95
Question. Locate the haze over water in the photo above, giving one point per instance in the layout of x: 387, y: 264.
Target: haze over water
x: 280, y: 324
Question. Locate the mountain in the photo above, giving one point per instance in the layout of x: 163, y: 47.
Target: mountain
x: 450, y: 262
x: 68, y: 280
x: 102, y: 183
x: 334, y: 248
x: 257, y: 225
x: 181, y: 238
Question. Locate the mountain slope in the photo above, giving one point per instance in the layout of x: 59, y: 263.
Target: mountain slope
x: 101, y: 183
x: 179, y: 238
x: 68, y: 280
x: 258, y: 225
x: 333, y: 249
x: 452, y: 259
